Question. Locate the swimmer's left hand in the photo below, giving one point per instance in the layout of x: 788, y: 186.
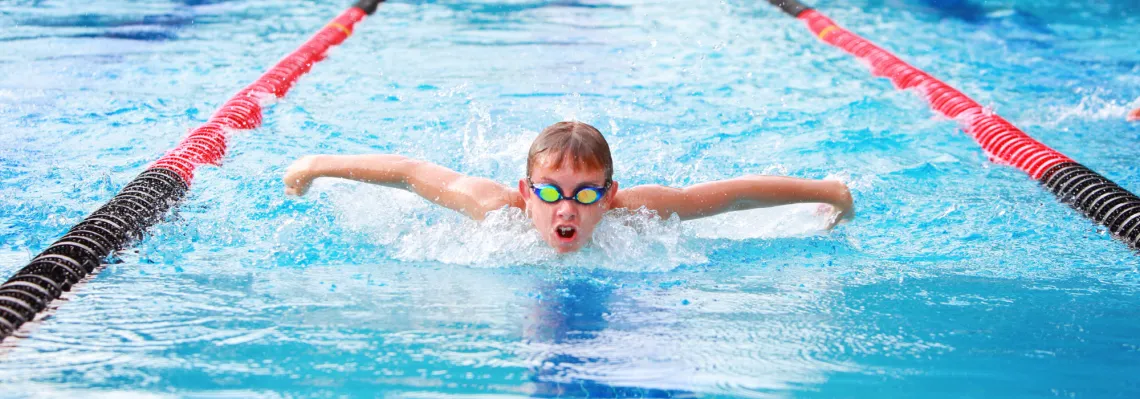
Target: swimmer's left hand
x: 1134, y: 115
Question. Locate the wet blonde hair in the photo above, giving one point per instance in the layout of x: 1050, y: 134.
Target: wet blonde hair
x: 581, y: 142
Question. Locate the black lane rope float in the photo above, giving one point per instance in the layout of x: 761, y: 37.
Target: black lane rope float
x: 143, y: 202
x: 1097, y: 197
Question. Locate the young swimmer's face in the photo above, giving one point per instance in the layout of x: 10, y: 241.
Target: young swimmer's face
x: 566, y: 225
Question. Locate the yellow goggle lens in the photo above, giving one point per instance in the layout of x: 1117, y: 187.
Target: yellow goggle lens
x: 587, y: 196
x: 549, y: 194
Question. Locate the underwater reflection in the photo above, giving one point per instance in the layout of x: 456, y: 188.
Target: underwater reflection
x: 572, y: 313
x: 961, y: 9
x: 996, y: 17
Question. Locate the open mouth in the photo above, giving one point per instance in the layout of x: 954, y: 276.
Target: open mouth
x: 566, y: 233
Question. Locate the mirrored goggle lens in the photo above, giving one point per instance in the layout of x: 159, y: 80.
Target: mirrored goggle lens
x: 588, y: 196
x: 549, y: 194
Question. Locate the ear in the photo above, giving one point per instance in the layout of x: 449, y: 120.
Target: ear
x: 524, y: 190
x: 611, y: 194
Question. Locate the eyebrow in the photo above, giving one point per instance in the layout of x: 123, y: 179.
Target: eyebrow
x: 589, y: 184
x: 585, y: 184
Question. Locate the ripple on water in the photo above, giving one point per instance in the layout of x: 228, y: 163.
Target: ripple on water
x: 957, y: 277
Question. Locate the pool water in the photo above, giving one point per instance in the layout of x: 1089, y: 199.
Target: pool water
x: 958, y: 277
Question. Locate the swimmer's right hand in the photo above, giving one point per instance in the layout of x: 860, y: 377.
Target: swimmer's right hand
x: 841, y: 209
x: 299, y: 176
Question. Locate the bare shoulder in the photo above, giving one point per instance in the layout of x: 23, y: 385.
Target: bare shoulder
x: 514, y: 199
x: 649, y: 196
x: 489, y: 195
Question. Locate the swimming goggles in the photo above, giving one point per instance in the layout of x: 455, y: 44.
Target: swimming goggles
x: 551, y: 194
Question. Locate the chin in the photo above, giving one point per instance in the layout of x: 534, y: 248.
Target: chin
x: 563, y: 248
x: 566, y: 249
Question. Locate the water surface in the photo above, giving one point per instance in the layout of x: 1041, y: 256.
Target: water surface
x: 959, y: 278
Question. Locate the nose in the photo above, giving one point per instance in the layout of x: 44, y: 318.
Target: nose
x: 566, y: 211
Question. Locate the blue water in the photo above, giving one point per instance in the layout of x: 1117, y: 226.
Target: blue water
x: 958, y: 277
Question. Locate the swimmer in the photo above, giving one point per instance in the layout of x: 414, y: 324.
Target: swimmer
x: 568, y: 187
x: 1134, y: 115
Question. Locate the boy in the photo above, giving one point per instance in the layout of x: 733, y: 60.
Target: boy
x: 568, y: 188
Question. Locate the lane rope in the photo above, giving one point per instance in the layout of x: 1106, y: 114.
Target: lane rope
x: 145, y: 200
x: 1097, y: 197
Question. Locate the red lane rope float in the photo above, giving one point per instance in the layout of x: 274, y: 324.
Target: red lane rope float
x: 1003, y: 141
x: 1094, y: 195
x: 142, y: 202
x: 206, y: 144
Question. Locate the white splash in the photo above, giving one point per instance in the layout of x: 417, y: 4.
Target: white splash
x: 503, y: 238
x: 800, y: 220
x: 1091, y: 108
x: 625, y: 240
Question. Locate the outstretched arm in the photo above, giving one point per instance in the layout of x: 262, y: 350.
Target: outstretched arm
x: 1134, y: 115
x: 471, y: 196
x: 748, y: 192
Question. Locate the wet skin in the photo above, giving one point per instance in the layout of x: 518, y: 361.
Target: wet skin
x: 576, y: 221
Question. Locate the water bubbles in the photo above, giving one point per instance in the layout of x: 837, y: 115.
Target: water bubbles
x: 801, y: 220
x: 639, y: 240
x: 378, y: 287
x: 503, y: 238
x: 1090, y: 107
x: 625, y: 240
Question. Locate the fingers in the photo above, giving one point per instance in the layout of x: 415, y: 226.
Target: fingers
x: 295, y: 183
x: 295, y: 186
x: 834, y: 215
x: 824, y: 209
x: 297, y: 176
x: 838, y: 213
x: 837, y: 219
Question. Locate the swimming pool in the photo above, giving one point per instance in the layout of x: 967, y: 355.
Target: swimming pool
x: 958, y: 277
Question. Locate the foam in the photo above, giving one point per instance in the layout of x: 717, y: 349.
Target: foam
x: 1091, y: 108
x: 413, y: 230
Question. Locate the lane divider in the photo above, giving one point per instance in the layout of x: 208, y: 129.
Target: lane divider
x: 145, y: 200
x: 1097, y: 197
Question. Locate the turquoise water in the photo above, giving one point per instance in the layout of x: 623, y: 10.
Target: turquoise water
x: 958, y: 278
